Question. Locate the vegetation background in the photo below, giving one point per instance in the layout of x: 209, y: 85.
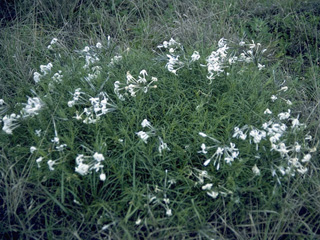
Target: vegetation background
x: 31, y: 209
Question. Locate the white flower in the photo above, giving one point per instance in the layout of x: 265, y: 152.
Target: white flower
x: 267, y: 111
x: 32, y: 108
x: 274, y: 98
x: 288, y: 102
x: 302, y: 170
x: 102, y: 177
x: 213, y: 194
x: 82, y: 169
x: 284, y: 115
x: 253, y: 45
x: 257, y: 135
x: 36, y: 77
x: 45, y: 69
x: 57, y: 77
x: 98, y: 157
x: 98, y: 45
x: 55, y: 140
x: 238, y: 133
x: 260, y: 67
x: 242, y: 43
x: 54, y: 41
x: 202, y: 134
x: 162, y: 146
x: 306, y: 158
x: 169, y: 212
x: 32, y: 149
x: 285, y: 88
x: 61, y: 147
x: 79, y: 159
x: 203, y: 149
x: 138, y: 221
x: 207, y: 162
x: 195, y: 56
x: 256, y: 170
x: 9, y: 123
x: 38, y: 161
x: 50, y: 164
x: 166, y: 200
x: 219, y: 151
x: 145, y: 123
x: 275, y: 138
x: 143, y: 73
x: 297, y: 147
x: 208, y: 186
x: 143, y: 135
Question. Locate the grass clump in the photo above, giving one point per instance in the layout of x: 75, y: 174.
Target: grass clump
x: 155, y: 138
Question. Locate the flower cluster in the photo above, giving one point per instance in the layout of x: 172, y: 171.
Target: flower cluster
x: 32, y: 108
x: 99, y: 106
x: 85, y: 164
x: 52, y: 43
x: 217, y: 61
x: 228, y: 153
x: 95, y: 72
x: 204, y: 180
x: 278, y: 135
x: 90, y: 55
x: 175, y: 49
x: 115, y: 60
x: 57, y: 77
x: 133, y: 86
x: 152, y: 132
x: 10, y: 122
x: 45, y: 69
x: 253, y: 54
x: 76, y: 97
x: 159, y: 197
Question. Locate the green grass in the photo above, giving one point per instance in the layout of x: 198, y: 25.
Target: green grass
x: 37, y: 203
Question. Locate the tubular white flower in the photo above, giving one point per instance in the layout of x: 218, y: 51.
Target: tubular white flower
x: 36, y: 77
x: 213, y: 194
x: 102, y: 177
x: 98, y: 157
x: 162, y: 146
x: 45, y: 69
x: 256, y: 170
x: 195, y: 56
x: 99, y: 45
x: 306, y: 158
x: 38, y: 161
x: 33, y: 149
x: 284, y: 115
x: 9, y: 123
x: 274, y: 98
x: 143, y: 135
x: 206, y: 163
x: 203, y: 149
x: 267, y: 111
x: 260, y: 66
x: 32, y: 108
x: 82, y: 169
x: 50, y: 164
x: 208, y: 186
x: 168, y: 212
x: 146, y: 123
